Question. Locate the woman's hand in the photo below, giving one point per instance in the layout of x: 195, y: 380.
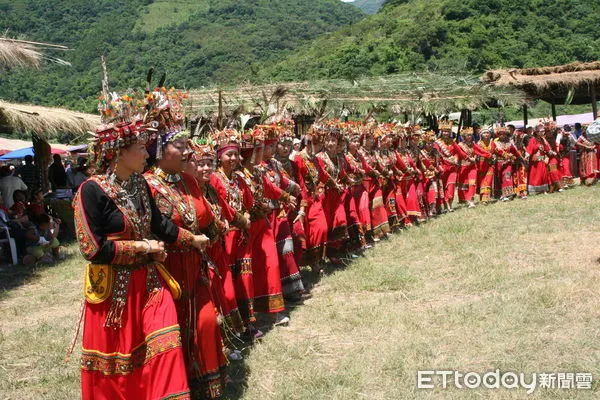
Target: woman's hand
x: 292, y: 202
x: 151, y: 247
x: 160, y: 257
x: 200, y: 242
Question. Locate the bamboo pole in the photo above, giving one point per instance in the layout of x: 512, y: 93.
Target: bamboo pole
x: 594, y: 103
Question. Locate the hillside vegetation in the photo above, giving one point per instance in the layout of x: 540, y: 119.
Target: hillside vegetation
x: 468, y: 35
x: 196, y: 42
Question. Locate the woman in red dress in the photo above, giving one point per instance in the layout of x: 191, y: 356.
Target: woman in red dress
x: 506, y: 154
x: 180, y: 199
x: 408, y: 177
x: 312, y: 222
x: 268, y: 292
x: 380, y: 226
x: 538, y: 149
x: 588, y: 163
x: 333, y: 205
x: 565, y: 143
x: 131, y: 346
x: 432, y: 185
x: 236, y: 201
x: 467, y: 174
x: 202, y: 166
x: 447, y: 148
x: 519, y: 167
x: 555, y: 177
x: 387, y: 168
x: 291, y: 281
x: 485, y: 167
x: 356, y: 174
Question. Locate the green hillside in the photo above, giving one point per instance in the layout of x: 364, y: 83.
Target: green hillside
x: 196, y: 42
x: 368, y: 6
x: 460, y: 34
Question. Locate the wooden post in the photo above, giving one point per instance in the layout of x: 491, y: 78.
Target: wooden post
x: 525, y: 115
x: 594, y: 103
x: 553, y: 112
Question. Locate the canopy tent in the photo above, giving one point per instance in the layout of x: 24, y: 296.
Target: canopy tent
x: 27, y: 151
x: 561, y: 120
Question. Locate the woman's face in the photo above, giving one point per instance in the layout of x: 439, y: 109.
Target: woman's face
x: 269, y: 150
x: 317, y: 145
x: 229, y: 159
x: 445, y: 134
x: 283, y: 149
x: 38, y: 197
x: 369, y: 142
x: 354, y: 145
x: 175, y: 156
x: 190, y: 168
x: 468, y: 138
x: 486, y: 135
x: 133, y: 158
x: 204, y: 169
x: 331, y: 145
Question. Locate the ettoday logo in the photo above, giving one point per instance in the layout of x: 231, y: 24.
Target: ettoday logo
x: 506, y: 380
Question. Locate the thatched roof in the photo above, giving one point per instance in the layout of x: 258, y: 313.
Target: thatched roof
x: 553, y: 84
x: 411, y: 93
x: 21, y: 53
x: 44, y: 121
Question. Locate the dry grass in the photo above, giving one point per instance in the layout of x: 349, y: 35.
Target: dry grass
x: 510, y: 286
x: 46, y: 120
x: 19, y: 53
x: 541, y: 79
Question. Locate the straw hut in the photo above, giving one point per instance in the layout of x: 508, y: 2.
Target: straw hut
x: 412, y: 95
x: 575, y: 83
x: 44, y: 123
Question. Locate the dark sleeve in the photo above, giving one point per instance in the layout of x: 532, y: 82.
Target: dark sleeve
x: 89, y: 208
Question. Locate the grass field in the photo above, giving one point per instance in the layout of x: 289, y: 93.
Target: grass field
x: 509, y: 286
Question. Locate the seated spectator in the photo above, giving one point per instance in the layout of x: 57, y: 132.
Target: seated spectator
x: 19, y: 204
x: 36, y: 204
x: 17, y: 226
x: 42, y: 244
x: 9, y: 184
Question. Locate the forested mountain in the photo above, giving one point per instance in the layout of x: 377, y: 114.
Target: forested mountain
x: 468, y: 35
x: 197, y: 42
x: 368, y: 6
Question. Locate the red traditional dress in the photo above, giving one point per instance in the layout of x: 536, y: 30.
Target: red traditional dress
x: 131, y: 346
x: 449, y: 162
x: 588, y: 163
x: 565, y: 156
x: 537, y: 180
x: 358, y: 192
x: 467, y: 173
x: 333, y: 204
x: 506, y: 154
x: 554, y: 170
x: 314, y: 230
x: 520, y: 169
x: 387, y: 163
x: 235, y: 199
x: 432, y: 186
x: 408, y: 183
x: 268, y: 294
x: 291, y: 281
x: 485, y: 172
x: 379, y: 220
x: 222, y: 275
x: 180, y: 199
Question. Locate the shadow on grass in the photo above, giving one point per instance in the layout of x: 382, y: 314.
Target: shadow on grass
x: 14, y: 276
x: 238, y: 370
